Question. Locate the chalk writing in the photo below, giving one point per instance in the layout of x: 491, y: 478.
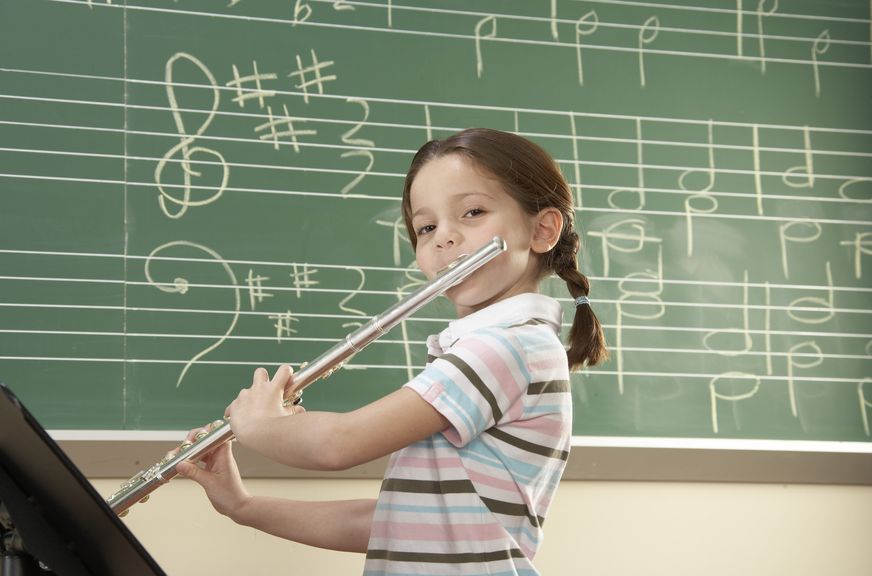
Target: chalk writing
x: 479, y: 36
x: 585, y: 26
x: 647, y: 34
x: 185, y: 148
x: 258, y: 93
x: 315, y: 70
x: 256, y: 293
x: 180, y: 286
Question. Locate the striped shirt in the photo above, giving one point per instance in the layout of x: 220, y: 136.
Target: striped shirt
x: 472, y: 499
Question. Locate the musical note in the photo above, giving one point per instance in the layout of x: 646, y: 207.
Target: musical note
x: 576, y: 163
x: 690, y: 210
x: 555, y: 33
x: 865, y: 403
x: 644, y: 312
x: 639, y: 190
x: 492, y: 20
x: 827, y: 309
x: 340, y: 5
x: 862, y: 244
x: 591, y: 20
x: 428, y: 124
x: 715, y: 395
x: 701, y: 193
x: 739, y: 33
x: 745, y: 331
x: 843, y: 189
x: 180, y: 286
x: 634, y: 239
x: 820, y: 46
x: 784, y: 235
x: 758, y: 183
x: 652, y: 28
x: 792, y: 363
x: 807, y: 169
x: 185, y: 145
x: 398, y: 234
x: 761, y: 43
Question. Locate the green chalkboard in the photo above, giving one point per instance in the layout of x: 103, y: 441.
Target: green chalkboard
x: 192, y: 189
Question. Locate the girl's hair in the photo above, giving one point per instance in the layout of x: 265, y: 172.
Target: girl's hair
x: 530, y: 176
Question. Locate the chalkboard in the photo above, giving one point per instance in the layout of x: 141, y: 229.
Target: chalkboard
x: 192, y: 189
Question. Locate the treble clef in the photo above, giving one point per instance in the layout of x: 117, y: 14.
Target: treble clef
x: 185, y: 147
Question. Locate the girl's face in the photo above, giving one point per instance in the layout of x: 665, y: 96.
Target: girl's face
x: 456, y: 209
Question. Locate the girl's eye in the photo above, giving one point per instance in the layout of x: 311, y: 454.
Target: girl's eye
x: 425, y: 229
x: 474, y: 212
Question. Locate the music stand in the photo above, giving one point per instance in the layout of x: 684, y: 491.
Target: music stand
x: 64, y: 524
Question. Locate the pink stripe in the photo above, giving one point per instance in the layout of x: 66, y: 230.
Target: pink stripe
x: 442, y: 532
x: 500, y: 367
x: 493, y: 482
x: 551, y: 426
x: 431, y: 463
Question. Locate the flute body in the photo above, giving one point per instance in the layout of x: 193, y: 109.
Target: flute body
x: 140, y: 486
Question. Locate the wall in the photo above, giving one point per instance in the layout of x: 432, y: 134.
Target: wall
x: 594, y: 528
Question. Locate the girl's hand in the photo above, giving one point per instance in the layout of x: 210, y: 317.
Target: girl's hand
x: 219, y: 476
x: 253, y: 412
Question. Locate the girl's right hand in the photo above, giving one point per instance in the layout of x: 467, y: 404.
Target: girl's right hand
x: 218, y: 474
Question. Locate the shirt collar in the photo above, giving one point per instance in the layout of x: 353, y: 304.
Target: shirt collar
x: 514, y: 310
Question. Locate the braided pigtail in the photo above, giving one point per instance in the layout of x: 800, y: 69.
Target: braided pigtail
x: 587, y: 343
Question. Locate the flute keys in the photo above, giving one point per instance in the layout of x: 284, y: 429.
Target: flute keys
x: 216, y: 424
x: 200, y: 435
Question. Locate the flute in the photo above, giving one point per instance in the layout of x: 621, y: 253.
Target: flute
x: 139, y: 487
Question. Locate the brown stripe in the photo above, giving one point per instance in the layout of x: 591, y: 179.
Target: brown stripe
x: 474, y: 379
x: 470, y: 557
x: 549, y: 387
x: 427, y: 486
x: 528, y: 446
x: 511, y: 509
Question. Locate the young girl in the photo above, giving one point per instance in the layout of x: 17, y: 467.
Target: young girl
x: 480, y: 438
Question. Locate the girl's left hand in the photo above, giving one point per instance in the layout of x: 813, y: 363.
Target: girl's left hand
x: 256, y: 407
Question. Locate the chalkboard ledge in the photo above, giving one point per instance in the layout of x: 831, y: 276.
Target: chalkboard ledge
x: 121, y: 454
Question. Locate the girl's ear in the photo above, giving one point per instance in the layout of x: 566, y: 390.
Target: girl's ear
x: 547, y: 227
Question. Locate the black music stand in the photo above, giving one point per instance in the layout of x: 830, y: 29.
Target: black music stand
x: 65, y: 526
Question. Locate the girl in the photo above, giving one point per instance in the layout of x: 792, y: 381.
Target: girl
x: 480, y: 438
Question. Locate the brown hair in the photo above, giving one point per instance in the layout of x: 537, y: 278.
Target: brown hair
x: 530, y: 176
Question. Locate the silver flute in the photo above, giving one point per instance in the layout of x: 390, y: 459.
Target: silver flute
x: 139, y: 487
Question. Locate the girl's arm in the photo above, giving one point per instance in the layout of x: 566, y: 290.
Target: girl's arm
x: 326, y: 440
x: 340, y: 525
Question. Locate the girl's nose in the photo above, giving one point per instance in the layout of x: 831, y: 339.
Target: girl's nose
x: 446, y: 238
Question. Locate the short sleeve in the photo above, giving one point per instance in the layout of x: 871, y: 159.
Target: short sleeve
x: 478, y: 382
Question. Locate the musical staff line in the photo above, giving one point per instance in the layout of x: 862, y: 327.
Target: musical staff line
x: 394, y: 270
x: 453, y: 105
x: 386, y: 340
x: 399, y: 175
x: 589, y: 377
x: 472, y: 37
